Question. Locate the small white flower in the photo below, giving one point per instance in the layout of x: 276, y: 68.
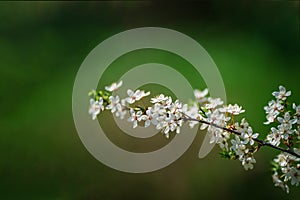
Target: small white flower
x: 286, y: 124
x: 248, y: 162
x: 114, y: 102
x: 239, y: 148
x: 282, y: 160
x: 135, y: 117
x: 272, y: 110
x: 114, y: 86
x: 285, y: 130
x: 144, y: 94
x: 201, y: 95
x: 132, y: 96
x: 166, y: 103
x: 121, y: 111
x: 287, y: 120
x: 96, y: 107
x: 159, y: 99
x: 271, y: 117
x: 213, y: 103
x: 135, y: 96
x: 279, y: 183
x: 297, y: 115
x: 243, y: 126
x: 273, y: 106
x: 294, y: 174
x: 215, y: 117
x: 282, y: 94
x: 274, y: 138
x: 150, y: 117
x: 249, y: 136
x: 215, y: 135
x: 176, y: 109
x: 233, y: 109
x: 297, y: 109
x: 159, y: 109
x: 222, y: 140
x: 116, y: 107
x: 177, y: 105
x: 169, y: 123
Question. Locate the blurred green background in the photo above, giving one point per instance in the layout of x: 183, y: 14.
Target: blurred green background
x: 42, y: 45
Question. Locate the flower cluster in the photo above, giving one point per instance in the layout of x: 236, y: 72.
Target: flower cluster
x: 236, y: 139
x: 239, y: 146
x: 286, y: 168
x: 285, y: 120
x: 165, y: 114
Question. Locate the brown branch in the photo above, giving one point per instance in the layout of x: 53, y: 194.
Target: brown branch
x: 261, y: 142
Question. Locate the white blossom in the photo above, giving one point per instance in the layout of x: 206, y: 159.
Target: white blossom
x: 272, y: 110
x: 243, y: 126
x: 159, y: 99
x: 114, y: 86
x: 116, y: 107
x: 290, y: 171
x: 282, y: 160
x: 135, y: 117
x: 233, y: 109
x: 216, y: 118
x: 273, y: 106
x: 286, y: 123
x: 239, y: 147
x: 166, y: 103
x: 159, y: 109
x: 121, y: 111
x: 249, y: 136
x: 297, y: 109
x: 168, y: 124
x: 96, y: 107
x: 271, y: 117
x: 282, y: 94
x: 287, y: 120
x: 294, y: 175
x: 135, y: 96
x: 201, y: 95
x: 213, y: 103
x: 279, y: 183
x: 216, y: 134
x: 222, y: 140
x: 274, y: 138
x: 248, y: 162
x: 150, y: 117
x: 114, y: 102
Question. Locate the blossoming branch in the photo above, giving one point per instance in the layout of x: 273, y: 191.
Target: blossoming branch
x: 237, y: 140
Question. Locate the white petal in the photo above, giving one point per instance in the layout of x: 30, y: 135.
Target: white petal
x: 147, y: 123
x: 281, y: 88
x: 120, y: 84
x: 130, y: 92
x: 135, y: 124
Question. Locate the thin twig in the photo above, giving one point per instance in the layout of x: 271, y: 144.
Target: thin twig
x: 261, y: 142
